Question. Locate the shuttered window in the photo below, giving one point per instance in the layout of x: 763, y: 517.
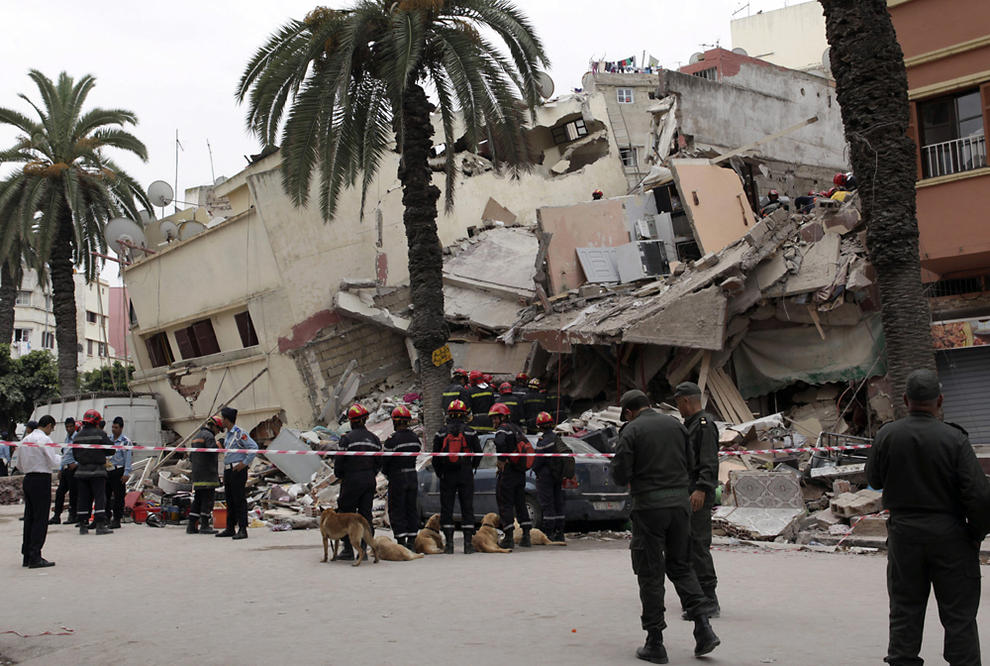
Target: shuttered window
x: 249, y: 337
x: 965, y: 375
x: 197, y: 340
x: 159, y: 350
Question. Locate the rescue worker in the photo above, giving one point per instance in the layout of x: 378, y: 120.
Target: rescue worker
x: 357, y: 473
x: 204, y: 477
x: 596, y: 195
x: 554, y: 405
x: 510, y: 481
x: 458, y: 389
x: 481, y: 400
x: 653, y: 457
x: 703, y: 436
x: 509, y: 399
x: 119, y: 474
x: 66, y: 479
x: 550, y: 475
x: 520, y: 386
x: 235, y: 474
x: 534, y: 403
x: 939, y: 503
x: 402, y: 481
x: 91, y: 474
x: 456, y: 474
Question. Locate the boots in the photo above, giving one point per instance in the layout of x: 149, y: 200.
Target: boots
x: 559, y: 536
x: 101, y: 527
x: 705, y: 639
x: 346, y: 552
x: 448, y: 541
x: 83, y: 527
x: 204, y: 526
x: 525, y: 542
x: 228, y: 531
x: 193, y: 526
x: 654, y: 651
x: 55, y: 520
x: 468, y: 546
x: 241, y: 534
x: 507, y: 541
x: 115, y: 524
x: 710, y: 609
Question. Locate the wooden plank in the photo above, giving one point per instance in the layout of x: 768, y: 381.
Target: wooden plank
x: 706, y: 366
x: 813, y: 313
x: 681, y: 373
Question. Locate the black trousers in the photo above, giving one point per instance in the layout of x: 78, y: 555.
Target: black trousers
x: 234, y: 491
x: 402, y: 510
x: 457, y: 484
x: 92, y: 495
x: 37, y: 500
x: 510, y: 493
x: 357, y: 495
x: 3, y: 468
x: 115, y: 494
x: 66, y: 485
x: 950, y: 566
x: 202, y: 504
x: 701, y: 549
x: 660, y: 546
x: 551, y: 496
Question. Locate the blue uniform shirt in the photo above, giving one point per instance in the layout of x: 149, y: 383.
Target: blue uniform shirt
x: 235, y: 438
x: 122, y: 458
x: 67, y: 457
x: 5, y: 453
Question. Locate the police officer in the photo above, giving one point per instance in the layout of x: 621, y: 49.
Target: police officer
x: 938, y: 498
x: 66, y: 479
x: 703, y: 435
x: 235, y: 474
x: 653, y: 457
x: 204, y: 477
x: 118, y: 474
x: 402, y: 481
x: 456, y: 474
x: 458, y: 389
x: 91, y: 474
x: 550, y: 477
x: 510, y: 482
x: 509, y: 399
x: 534, y: 403
x: 357, y: 473
x: 481, y: 400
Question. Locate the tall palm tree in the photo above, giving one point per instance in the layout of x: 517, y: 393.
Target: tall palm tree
x: 66, y: 189
x: 358, y: 77
x: 13, y: 254
x: 871, y: 88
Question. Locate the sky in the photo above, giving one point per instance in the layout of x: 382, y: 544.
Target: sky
x: 175, y: 63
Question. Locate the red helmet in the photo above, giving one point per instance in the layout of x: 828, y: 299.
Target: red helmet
x: 92, y: 417
x: 597, y: 194
x: 217, y: 421
x: 457, y: 407
x: 830, y: 191
x: 839, y: 179
x: 773, y: 195
x: 505, y: 388
x: 78, y: 426
x: 459, y: 372
x: 401, y: 413
x: 534, y: 384
x: 522, y: 378
x: 356, y: 412
x: 488, y: 378
x: 475, y: 376
x: 544, y: 419
x: 500, y: 409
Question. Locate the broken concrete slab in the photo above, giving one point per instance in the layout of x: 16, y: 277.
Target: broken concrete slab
x: 298, y: 468
x: 857, y: 504
x: 590, y: 224
x: 503, y: 260
x: 851, y: 472
x: 714, y: 201
x: 766, y: 490
x: 496, y: 212
x: 819, y: 266
x: 696, y: 321
x: 480, y: 308
x: 756, y: 523
x: 353, y: 304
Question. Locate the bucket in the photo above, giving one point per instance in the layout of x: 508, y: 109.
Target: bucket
x: 220, y: 518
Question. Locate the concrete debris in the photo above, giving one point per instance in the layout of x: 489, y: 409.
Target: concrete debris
x: 860, y: 503
x: 11, y: 489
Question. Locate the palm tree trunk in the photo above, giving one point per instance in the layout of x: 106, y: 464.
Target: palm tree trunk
x: 64, y: 305
x: 871, y: 88
x: 428, y: 329
x: 8, y: 296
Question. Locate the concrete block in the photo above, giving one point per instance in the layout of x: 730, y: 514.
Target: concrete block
x: 848, y: 505
x: 840, y: 486
x: 870, y: 526
x: 821, y: 520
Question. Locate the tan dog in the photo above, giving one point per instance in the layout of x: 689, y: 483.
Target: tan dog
x: 393, y: 552
x: 335, y: 526
x: 536, y: 536
x: 428, y: 539
x: 485, y: 539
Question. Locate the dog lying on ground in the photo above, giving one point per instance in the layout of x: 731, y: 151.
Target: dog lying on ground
x: 485, y: 540
x: 390, y: 551
x: 428, y: 539
x: 536, y: 536
x: 335, y: 526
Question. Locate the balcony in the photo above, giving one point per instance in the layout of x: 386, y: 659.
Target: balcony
x: 948, y: 157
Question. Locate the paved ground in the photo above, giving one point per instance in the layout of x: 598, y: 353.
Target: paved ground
x: 135, y: 597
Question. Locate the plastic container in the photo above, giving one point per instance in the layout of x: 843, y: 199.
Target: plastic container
x: 220, y: 518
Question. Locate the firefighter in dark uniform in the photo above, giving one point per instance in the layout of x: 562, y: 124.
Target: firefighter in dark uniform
x: 939, y: 500
x: 550, y: 474
x: 511, y: 400
x: 402, y: 482
x: 653, y: 456
x: 456, y: 474
x: 510, y: 482
x: 555, y: 405
x: 458, y: 389
x: 520, y: 386
x: 534, y: 403
x: 703, y: 435
x: 481, y: 400
x: 204, y: 477
x: 91, y: 474
x: 357, y: 473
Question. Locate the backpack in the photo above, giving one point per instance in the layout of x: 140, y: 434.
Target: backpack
x: 523, y: 445
x: 455, y: 442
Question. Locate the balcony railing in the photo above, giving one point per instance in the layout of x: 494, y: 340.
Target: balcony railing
x: 947, y: 157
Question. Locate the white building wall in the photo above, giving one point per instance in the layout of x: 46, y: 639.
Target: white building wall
x: 791, y: 37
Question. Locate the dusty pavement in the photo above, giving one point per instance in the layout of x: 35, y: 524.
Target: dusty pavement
x: 158, y: 596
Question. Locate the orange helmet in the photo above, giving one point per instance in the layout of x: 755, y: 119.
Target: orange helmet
x: 475, y: 376
x: 356, y: 412
x: 92, y: 417
x: 457, y: 407
x: 401, y: 413
x: 217, y: 421
x: 499, y: 409
x: 544, y: 419
x: 505, y: 388
x: 534, y: 384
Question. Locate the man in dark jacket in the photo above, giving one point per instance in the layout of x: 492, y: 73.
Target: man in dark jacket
x: 534, y: 403
x: 458, y: 389
x: 939, y: 501
x: 549, y: 473
x: 703, y: 435
x: 357, y: 473
x: 456, y: 474
x: 91, y: 475
x: 482, y: 397
x: 204, y: 477
x: 653, y: 456
x: 511, y: 400
x: 402, y: 482
x: 510, y: 482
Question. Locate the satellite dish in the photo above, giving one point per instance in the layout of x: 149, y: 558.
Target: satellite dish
x: 695, y: 57
x: 740, y: 51
x: 827, y: 61
x: 145, y: 217
x: 160, y: 193
x: 214, y: 221
x: 544, y: 84
x: 121, y: 230
x: 191, y: 228
x: 169, y: 230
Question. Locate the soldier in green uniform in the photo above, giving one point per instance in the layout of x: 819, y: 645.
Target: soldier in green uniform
x: 703, y: 435
x: 653, y: 456
x: 938, y: 499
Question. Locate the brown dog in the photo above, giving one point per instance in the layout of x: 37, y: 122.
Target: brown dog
x: 536, y: 536
x: 485, y: 540
x: 393, y: 552
x: 428, y: 539
x: 335, y: 526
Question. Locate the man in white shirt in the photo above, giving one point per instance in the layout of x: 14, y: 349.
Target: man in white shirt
x: 37, y: 463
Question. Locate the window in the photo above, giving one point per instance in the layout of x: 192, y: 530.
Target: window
x: 22, y: 335
x: 197, y: 340
x: 102, y: 347
x: 89, y: 348
x: 952, y: 137
x: 90, y: 317
x: 48, y: 340
x: 711, y: 73
x: 159, y: 350
x: 23, y: 298
x: 628, y: 156
x: 245, y: 327
x: 569, y: 131
x: 624, y: 95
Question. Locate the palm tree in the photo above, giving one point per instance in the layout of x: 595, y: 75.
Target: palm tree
x: 871, y: 88
x: 66, y: 190
x: 11, y: 273
x: 358, y: 77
